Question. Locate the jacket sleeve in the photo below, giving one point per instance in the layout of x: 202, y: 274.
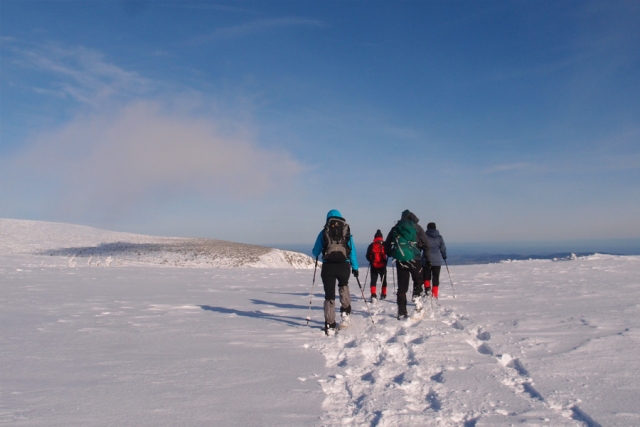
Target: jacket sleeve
x: 369, y: 249
x: 353, y: 258
x: 443, y: 248
x: 317, y: 248
x: 388, y: 243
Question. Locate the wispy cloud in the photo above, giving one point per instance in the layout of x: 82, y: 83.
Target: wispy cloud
x: 77, y: 72
x: 257, y: 27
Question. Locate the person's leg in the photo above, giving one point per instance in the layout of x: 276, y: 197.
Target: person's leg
x: 383, y: 275
x: 426, y: 277
x: 374, y: 280
x: 435, y: 277
x: 404, y: 275
x: 415, y: 268
x: 329, y: 282
x: 343, y: 272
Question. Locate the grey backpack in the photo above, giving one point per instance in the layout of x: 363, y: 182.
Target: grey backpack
x: 335, y: 240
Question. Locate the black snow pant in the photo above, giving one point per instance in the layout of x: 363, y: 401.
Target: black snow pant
x: 408, y: 269
x: 332, y: 272
x: 375, y: 272
x: 433, y: 274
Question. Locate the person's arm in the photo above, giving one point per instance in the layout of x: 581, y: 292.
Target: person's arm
x: 443, y: 248
x: 423, y: 243
x: 317, y: 248
x: 388, y: 242
x: 353, y: 258
x: 369, y: 250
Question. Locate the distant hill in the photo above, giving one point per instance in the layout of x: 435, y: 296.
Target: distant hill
x: 79, y: 245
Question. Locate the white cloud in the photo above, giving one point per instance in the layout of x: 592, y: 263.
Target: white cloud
x: 110, y: 163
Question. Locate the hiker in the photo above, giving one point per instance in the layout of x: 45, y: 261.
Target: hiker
x: 405, y: 242
x: 378, y: 264
x: 437, y: 254
x: 335, y: 243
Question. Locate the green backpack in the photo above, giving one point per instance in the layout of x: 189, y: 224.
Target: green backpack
x: 405, y: 241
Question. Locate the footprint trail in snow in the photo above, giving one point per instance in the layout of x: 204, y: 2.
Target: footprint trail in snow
x: 438, y: 371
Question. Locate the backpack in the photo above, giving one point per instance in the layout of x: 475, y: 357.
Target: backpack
x: 378, y: 257
x: 405, y: 241
x: 335, y: 240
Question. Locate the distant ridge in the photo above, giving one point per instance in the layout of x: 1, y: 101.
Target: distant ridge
x: 495, y: 258
x: 78, y: 245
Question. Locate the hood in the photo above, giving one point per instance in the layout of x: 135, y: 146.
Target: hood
x: 432, y: 232
x: 334, y: 212
x: 407, y: 214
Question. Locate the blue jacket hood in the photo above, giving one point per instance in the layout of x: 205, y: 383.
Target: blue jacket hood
x: 432, y: 232
x: 334, y: 212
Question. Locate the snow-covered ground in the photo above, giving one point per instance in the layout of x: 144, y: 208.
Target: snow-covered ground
x: 536, y: 343
x: 73, y: 244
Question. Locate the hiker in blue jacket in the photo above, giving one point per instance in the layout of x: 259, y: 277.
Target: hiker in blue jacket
x: 335, y: 243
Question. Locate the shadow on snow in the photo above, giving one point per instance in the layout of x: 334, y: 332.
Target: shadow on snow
x: 288, y: 320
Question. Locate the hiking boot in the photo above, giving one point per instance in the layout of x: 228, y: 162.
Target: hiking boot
x: 374, y: 298
x: 383, y: 296
x: 403, y: 316
x: 330, y: 329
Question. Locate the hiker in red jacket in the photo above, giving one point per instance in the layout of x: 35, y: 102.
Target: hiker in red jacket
x: 378, y: 263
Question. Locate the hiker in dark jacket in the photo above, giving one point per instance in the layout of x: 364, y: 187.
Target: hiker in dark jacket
x: 378, y: 264
x: 437, y: 255
x: 407, y: 253
x: 338, y: 259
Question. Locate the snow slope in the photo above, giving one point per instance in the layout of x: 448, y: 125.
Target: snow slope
x: 76, y: 244
x: 536, y: 343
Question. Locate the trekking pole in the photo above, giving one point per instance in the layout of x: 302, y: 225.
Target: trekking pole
x: 367, y: 275
x: 393, y: 273
x: 450, y: 281
x: 365, y: 303
x: 311, y: 294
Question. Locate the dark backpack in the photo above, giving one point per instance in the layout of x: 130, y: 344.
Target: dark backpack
x: 335, y: 240
x: 405, y: 246
x: 378, y: 257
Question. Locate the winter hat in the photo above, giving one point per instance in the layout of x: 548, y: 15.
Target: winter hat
x: 378, y: 233
x: 431, y: 226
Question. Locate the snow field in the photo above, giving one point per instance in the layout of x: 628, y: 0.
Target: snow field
x: 154, y: 346
x: 536, y: 343
x: 503, y: 353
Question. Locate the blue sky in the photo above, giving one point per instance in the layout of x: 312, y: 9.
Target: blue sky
x: 248, y: 121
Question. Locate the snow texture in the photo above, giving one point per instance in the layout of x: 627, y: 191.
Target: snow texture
x: 535, y: 343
